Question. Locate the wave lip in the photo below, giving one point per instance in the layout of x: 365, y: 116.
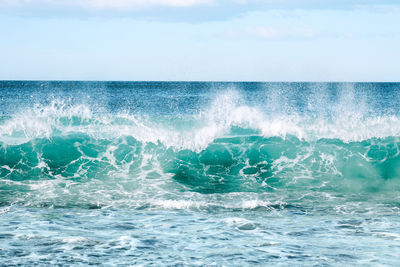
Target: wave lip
x: 227, y: 115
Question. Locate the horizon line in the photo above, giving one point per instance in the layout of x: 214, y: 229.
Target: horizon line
x: 193, y: 81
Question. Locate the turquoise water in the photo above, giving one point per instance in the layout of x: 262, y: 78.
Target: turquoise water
x: 194, y: 174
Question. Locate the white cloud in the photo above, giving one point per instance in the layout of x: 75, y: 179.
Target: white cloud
x: 264, y: 32
x: 132, y: 4
x: 380, y: 8
x: 121, y: 4
x: 181, y: 10
x: 103, y: 4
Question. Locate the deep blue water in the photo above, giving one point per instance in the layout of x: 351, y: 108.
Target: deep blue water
x: 199, y: 173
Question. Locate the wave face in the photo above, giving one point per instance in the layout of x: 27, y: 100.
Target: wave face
x: 320, y: 148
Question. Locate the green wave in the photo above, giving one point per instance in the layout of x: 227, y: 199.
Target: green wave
x: 248, y: 163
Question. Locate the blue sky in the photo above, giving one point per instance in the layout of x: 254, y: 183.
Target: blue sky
x: 217, y: 40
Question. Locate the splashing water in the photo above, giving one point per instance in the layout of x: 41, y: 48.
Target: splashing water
x: 280, y: 173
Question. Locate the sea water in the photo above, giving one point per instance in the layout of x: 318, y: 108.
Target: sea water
x: 199, y: 174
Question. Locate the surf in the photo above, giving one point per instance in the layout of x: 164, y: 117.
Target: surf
x: 80, y: 152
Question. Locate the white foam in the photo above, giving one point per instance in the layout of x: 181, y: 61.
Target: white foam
x: 345, y: 120
x: 74, y: 239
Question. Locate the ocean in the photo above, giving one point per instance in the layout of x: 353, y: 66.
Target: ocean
x: 199, y: 174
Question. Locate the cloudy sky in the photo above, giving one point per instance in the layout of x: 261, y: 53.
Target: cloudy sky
x: 218, y: 40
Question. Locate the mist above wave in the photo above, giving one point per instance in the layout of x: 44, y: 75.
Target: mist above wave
x: 348, y: 117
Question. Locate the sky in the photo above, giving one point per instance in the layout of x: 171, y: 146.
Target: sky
x: 200, y: 40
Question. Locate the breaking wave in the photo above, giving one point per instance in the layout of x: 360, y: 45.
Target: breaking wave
x: 70, y: 154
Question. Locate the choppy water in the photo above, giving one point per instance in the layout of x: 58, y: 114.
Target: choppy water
x: 157, y: 173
